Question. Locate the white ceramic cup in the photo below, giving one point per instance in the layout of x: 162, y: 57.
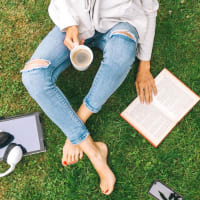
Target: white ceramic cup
x: 81, y: 57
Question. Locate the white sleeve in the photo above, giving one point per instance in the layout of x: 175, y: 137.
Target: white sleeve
x: 145, y: 48
x: 59, y: 12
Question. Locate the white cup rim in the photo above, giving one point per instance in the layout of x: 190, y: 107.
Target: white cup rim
x: 81, y: 47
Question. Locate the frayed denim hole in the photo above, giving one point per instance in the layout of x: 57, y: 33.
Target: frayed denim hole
x: 126, y: 37
x: 36, y: 64
x: 122, y: 32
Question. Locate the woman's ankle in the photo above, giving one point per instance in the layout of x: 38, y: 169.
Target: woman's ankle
x: 84, y: 113
x: 89, y: 147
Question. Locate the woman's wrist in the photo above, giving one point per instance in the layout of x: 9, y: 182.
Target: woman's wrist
x: 144, y: 65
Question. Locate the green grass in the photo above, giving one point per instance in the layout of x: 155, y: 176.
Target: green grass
x: 135, y: 162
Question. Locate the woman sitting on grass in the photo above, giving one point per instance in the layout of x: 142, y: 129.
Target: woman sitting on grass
x: 122, y: 30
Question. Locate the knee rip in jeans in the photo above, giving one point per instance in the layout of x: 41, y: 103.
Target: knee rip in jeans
x: 124, y: 32
x: 37, y: 63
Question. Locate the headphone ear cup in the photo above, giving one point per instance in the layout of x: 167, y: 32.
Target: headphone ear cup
x: 5, y: 138
x: 9, y: 148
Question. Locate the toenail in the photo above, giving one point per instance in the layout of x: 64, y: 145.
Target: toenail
x: 106, y: 191
x: 65, y: 163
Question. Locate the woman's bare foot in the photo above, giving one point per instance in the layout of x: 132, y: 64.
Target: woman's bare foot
x: 71, y: 153
x: 99, y: 161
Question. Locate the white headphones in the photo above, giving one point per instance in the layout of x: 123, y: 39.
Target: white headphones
x: 13, y: 153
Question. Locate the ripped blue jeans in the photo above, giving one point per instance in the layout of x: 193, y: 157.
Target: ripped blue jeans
x: 119, y: 51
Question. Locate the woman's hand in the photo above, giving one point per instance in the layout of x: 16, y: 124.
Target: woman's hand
x: 145, y: 84
x: 72, y: 37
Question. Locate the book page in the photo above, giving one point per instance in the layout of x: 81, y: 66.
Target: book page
x: 154, y: 121
x: 173, y: 96
x: 149, y: 120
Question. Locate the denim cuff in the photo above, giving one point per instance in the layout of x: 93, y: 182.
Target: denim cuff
x: 89, y: 107
x: 80, y: 139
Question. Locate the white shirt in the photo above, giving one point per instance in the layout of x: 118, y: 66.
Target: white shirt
x: 101, y: 15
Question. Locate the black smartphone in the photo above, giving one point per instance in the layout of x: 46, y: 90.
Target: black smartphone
x: 160, y: 191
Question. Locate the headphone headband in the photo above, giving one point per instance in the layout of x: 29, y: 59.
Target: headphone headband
x: 12, y: 156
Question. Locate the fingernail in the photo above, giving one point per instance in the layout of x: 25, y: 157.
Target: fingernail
x: 65, y: 163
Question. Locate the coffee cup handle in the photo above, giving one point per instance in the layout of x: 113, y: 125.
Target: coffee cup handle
x: 76, y: 44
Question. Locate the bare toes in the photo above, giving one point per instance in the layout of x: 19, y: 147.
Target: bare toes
x: 64, y: 160
x: 73, y: 162
x: 76, y: 157
x: 108, y: 191
x: 69, y: 159
x: 81, y: 155
x: 72, y: 159
x: 64, y: 163
x: 103, y: 188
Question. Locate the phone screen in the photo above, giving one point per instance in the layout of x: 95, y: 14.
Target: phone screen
x: 161, y: 192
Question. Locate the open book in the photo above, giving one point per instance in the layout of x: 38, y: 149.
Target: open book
x: 155, y: 120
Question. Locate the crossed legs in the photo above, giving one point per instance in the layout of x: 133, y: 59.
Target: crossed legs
x: 39, y: 84
x: 39, y: 78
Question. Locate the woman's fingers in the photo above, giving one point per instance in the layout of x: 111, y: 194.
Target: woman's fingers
x: 145, y: 92
x: 137, y: 89
x: 82, y: 41
x: 75, y: 38
x: 141, y: 92
x: 71, y: 37
x: 145, y: 84
x: 150, y: 94
x: 154, y: 87
x: 68, y: 43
